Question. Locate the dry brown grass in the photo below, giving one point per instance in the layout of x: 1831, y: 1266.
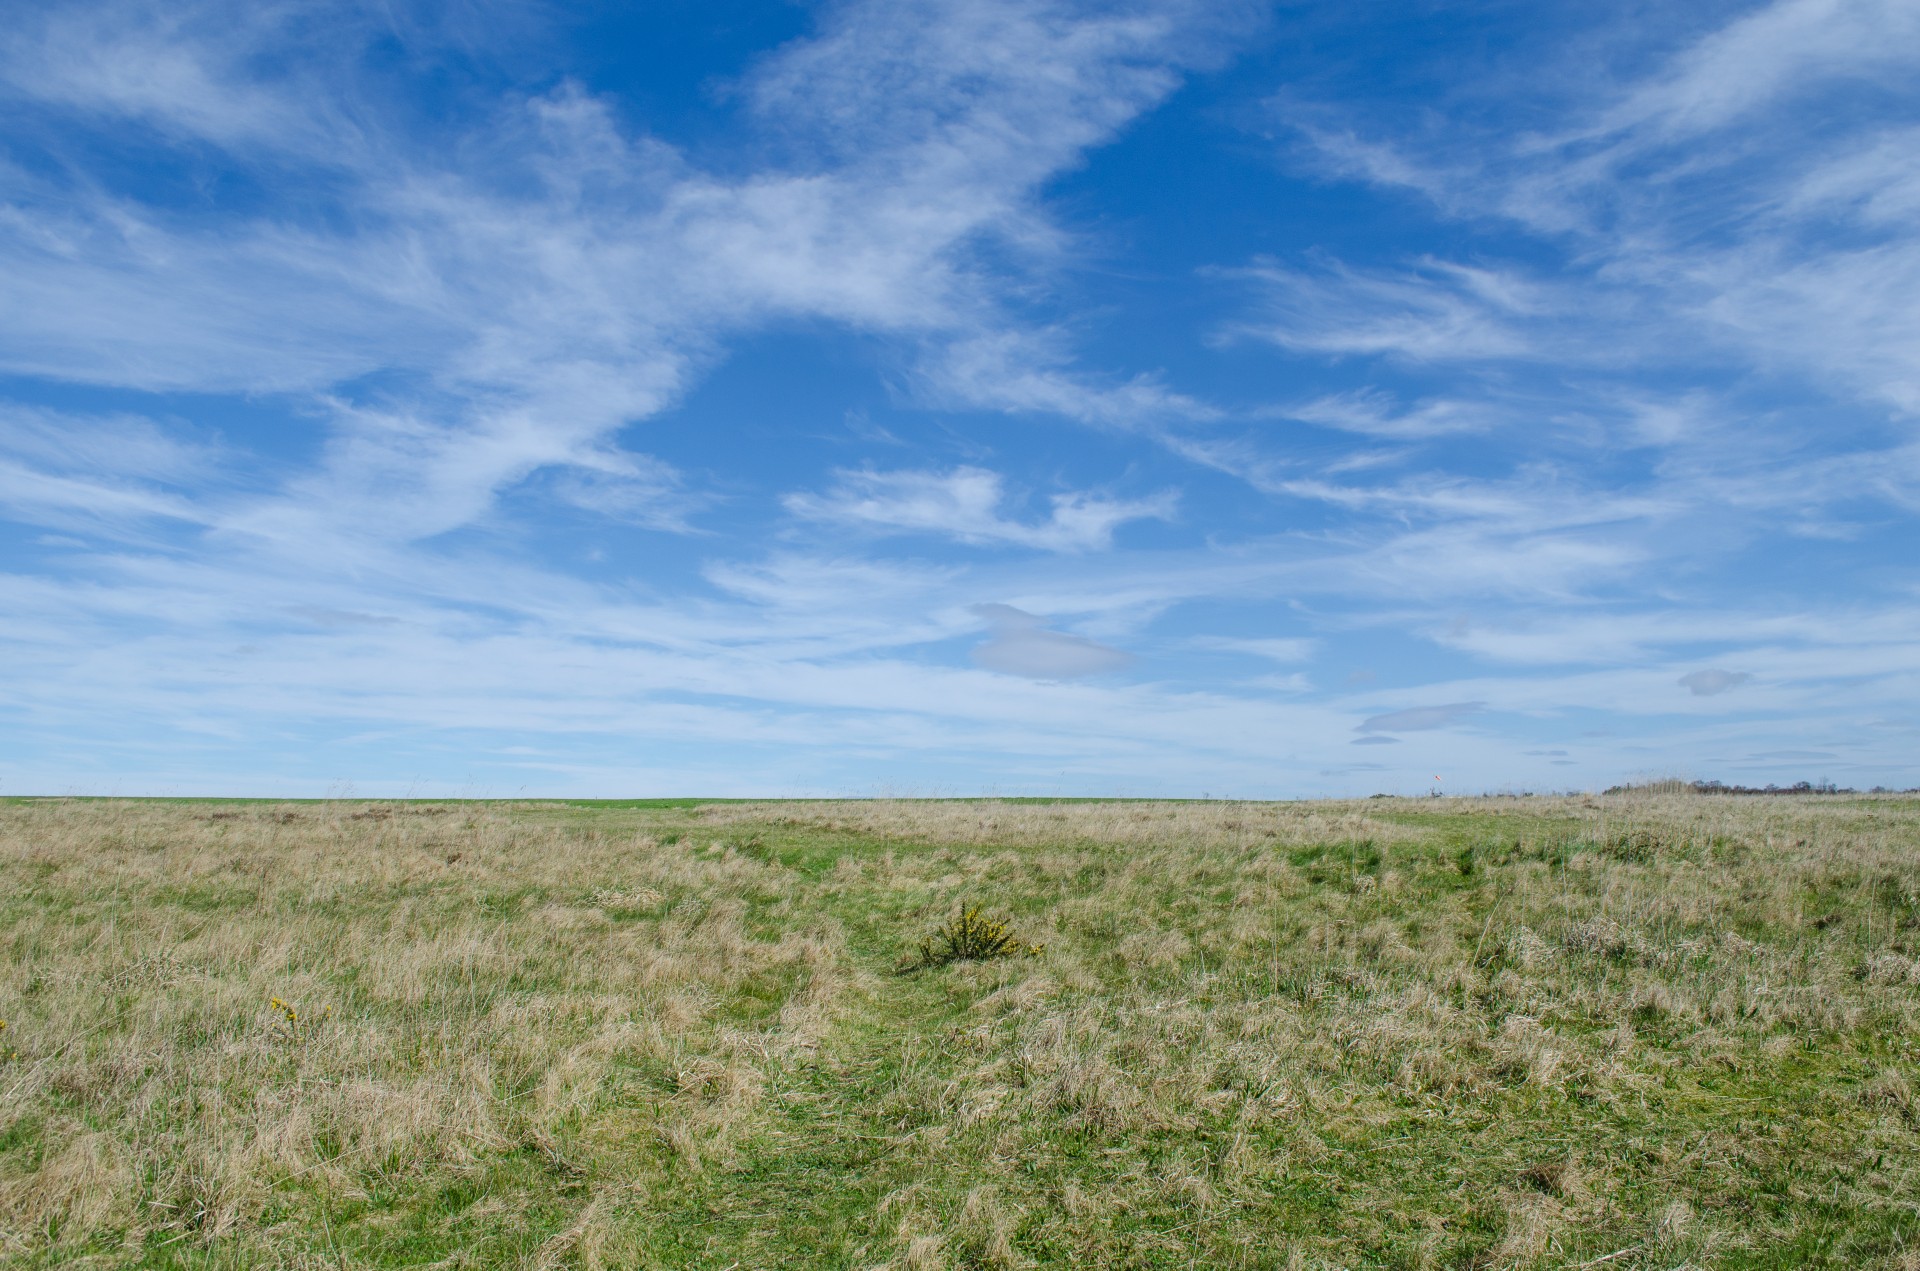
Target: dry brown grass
x: 994, y: 822
x: 1668, y: 1027
x: 478, y: 992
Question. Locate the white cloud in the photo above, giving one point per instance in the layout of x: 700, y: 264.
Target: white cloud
x: 115, y: 475
x: 965, y: 504
x: 560, y: 279
x: 1001, y: 89
x: 1031, y: 372
x: 1873, y: 180
x: 1435, y: 312
x: 184, y: 68
x: 634, y: 488
x: 1768, y: 59
x: 1599, y: 634
x: 1375, y: 413
x: 1284, y: 650
x: 1721, y: 205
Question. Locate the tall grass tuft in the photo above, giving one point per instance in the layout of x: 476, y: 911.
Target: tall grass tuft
x: 973, y: 937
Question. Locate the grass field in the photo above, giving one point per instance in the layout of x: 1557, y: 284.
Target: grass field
x: 1628, y: 1031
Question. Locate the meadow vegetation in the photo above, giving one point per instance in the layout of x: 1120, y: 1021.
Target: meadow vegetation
x: 1628, y: 1031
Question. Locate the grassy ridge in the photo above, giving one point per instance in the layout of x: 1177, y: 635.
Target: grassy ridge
x: 1625, y: 1031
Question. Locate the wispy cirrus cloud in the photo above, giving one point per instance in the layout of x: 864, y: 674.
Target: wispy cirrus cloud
x: 1033, y: 371
x: 1376, y: 413
x: 576, y: 278
x: 966, y: 504
x: 1772, y: 241
x: 1435, y: 311
x: 1765, y: 61
x: 1274, y: 649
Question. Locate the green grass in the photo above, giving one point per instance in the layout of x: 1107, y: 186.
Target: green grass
x: 682, y: 1033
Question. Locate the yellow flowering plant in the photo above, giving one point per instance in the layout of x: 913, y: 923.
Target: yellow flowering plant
x: 972, y: 936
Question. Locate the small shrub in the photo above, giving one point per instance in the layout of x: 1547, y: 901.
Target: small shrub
x: 973, y: 937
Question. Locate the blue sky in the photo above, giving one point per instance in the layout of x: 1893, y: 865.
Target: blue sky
x: 957, y: 396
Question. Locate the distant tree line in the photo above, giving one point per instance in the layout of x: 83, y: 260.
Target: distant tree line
x: 1721, y: 787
